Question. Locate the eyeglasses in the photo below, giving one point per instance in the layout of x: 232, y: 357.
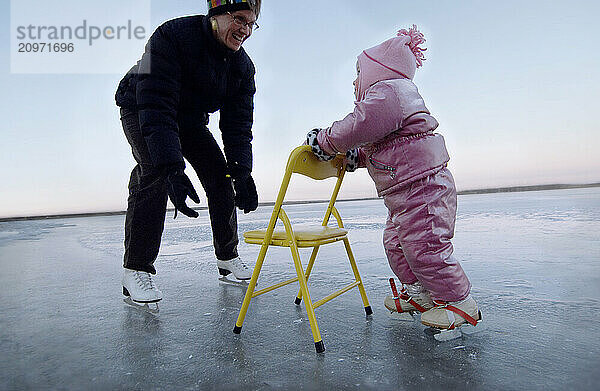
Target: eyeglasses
x: 241, y: 21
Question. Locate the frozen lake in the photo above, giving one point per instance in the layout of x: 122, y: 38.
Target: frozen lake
x: 533, y: 259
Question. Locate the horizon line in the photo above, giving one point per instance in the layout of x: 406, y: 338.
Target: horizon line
x: 492, y: 190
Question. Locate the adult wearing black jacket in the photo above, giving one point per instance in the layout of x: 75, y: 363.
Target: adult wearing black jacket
x: 192, y: 66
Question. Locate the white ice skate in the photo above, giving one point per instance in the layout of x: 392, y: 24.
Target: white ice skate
x: 235, y: 266
x: 411, y: 299
x: 140, y: 291
x: 448, y: 321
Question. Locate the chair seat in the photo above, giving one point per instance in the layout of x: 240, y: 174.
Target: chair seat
x: 307, y: 237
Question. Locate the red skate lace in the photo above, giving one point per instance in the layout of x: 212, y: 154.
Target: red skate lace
x: 404, y: 296
x: 463, y: 314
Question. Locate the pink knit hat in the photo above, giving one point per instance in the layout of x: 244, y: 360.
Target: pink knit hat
x: 398, y: 57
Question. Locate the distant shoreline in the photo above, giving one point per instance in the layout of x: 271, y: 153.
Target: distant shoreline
x: 511, y: 189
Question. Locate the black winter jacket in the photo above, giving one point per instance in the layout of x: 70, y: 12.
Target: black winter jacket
x: 184, y: 74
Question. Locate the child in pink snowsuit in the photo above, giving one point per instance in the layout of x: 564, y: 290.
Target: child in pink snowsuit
x: 394, y: 135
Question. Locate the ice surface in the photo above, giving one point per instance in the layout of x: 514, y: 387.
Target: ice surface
x: 402, y: 316
x: 533, y: 259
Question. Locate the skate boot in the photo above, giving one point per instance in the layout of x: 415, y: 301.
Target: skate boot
x: 449, y: 317
x: 140, y: 291
x: 235, y: 266
x: 412, y: 297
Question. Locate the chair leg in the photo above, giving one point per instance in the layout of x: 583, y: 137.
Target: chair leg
x: 250, y: 290
x: 310, y: 311
x: 361, y: 287
x: 311, y: 262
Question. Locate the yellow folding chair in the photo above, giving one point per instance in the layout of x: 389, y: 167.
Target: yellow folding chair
x: 303, y: 161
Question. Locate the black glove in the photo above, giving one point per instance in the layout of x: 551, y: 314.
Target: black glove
x: 351, y: 160
x: 311, y: 139
x: 246, y: 197
x: 179, y: 188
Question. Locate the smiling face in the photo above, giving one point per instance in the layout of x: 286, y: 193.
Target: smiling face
x: 355, y: 82
x: 233, y: 28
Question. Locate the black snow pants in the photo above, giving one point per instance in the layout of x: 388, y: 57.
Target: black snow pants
x: 147, y: 201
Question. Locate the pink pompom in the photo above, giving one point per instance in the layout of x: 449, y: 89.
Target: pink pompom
x: 416, y: 39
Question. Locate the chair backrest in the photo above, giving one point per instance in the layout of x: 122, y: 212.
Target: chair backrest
x: 303, y: 161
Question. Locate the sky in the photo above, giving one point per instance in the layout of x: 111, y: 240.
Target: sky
x: 514, y: 85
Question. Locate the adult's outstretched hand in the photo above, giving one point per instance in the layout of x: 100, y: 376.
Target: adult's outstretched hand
x: 179, y: 188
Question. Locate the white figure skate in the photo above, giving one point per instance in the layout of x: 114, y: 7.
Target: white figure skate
x: 235, y: 266
x: 140, y: 291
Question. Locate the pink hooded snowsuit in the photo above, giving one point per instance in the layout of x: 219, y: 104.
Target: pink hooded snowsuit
x: 407, y: 161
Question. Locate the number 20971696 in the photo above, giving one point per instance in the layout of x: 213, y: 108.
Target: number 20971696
x: 42, y: 47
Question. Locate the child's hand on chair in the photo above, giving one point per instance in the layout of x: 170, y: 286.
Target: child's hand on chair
x: 352, y: 159
x: 311, y: 139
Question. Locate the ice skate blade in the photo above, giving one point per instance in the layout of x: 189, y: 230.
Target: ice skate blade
x: 443, y: 335
x: 146, y: 307
x: 225, y: 272
x: 468, y: 329
x: 402, y: 316
x: 447, y: 335
x: 227, y: 281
